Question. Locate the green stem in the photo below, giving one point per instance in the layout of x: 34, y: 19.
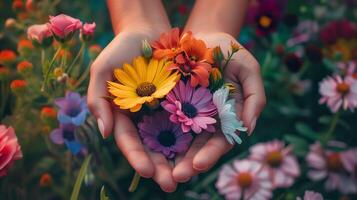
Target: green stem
x: 79, y: 54
x: 43, y: 56
x: 50, y: 68
x: 327, y: 136
x: 230, y: 55
x: 82, y: 77
x: 135, y: 182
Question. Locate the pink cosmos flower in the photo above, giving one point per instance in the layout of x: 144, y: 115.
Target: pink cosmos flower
x: 348, y: 68
x: 63, y: 26
x: 349, y: 160
x: 337, y: 91
x: 10, y: 149
x: 190, y: 107
x: 38, y: 32
x: 328, y: 164
x: 310, y: 195
x: 246, y: 178
x: 88, y: 29
x: 279, y: 160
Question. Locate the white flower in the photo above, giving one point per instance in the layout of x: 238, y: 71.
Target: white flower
x: 227, y: 115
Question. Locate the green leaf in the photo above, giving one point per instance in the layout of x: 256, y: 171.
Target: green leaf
x: 304, y: 130
x: 103, y: 195
x: 80, y: 177
x: 300, y: 146
x: 325, y: 119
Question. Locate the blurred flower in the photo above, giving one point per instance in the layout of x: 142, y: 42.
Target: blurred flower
x: 299, y: 87
x: 94, y: 50
x: 293, y: 62
x: 45, y: 180
x: 328, y: 164
x: 58, y: 71
x: 313, y: 53
x: 73, y: 108
x: 4, y: 72
x: 18, y: 86
x: 48, y: 112
x: 245, y: 179
x: 146, y: 49
x: 40, y: 35
x: 7, y: 57
x: 24, y: 67
x: 10, y: 23
x: 25, y: 47
x: 191, y: 107
x: 87, y: 31
x: 348, y: 68
x: 281, y: 163
x: 10, y: 149
x: 230, y: 123
x: 168, y: 45
x: 265, y: 15
x: 339, y: 92
x: 17, y: 5
x: 349, y: 160
x: 65, y: 135
x: 29, y: 5
x: 304, y: 31
x: 141, y: 83
x: 311, y: 195
x: 62, y: 53
x: 195, y: 60
x: 235, y: 47
x: 161, y: 135
x: 63, y: 26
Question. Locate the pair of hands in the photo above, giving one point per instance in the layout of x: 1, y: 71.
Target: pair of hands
x: 206, y: 148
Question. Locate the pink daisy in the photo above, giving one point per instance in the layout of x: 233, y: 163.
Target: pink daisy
x: 329, y: 164
x: 279, y: 160
x: 190, y: 107
x: 247, y: 178
x: 311, y: 195
x: 337, y: 92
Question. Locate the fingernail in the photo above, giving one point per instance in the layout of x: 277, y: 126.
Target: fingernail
x: 252, y: 126
x: 101, y: 127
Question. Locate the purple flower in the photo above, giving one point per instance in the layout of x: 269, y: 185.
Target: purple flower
x: 190, y: 107
x: 65, y: 135
x: 161, y: 135
x: 73, y: 109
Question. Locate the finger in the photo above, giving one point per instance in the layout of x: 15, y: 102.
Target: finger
x: 163, y: 172
x: 129, y: 143
x: 247, y: 71
x: 97, y: 104
x: 184, y: 170
x: 209, y: 154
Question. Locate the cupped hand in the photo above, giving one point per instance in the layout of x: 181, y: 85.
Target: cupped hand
x: 244, y: 72
x: 123, y: 48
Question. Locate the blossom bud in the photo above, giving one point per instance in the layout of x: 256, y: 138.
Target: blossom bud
x: 94, y: 51
x: 216, y: 80
x: 45, y: 180
x: 25, y: 47
x: 7, y: 57
x: 18, y: 86
x: 24, y: 67
x: 10, y: 23
x: 218, y: 55
x: 146, y: 49
x: 235, y: 47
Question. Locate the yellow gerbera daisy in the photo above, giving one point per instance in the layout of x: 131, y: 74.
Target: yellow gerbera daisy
x: 143, y: 82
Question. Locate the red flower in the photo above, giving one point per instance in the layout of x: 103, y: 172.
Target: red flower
x: 24, y: 66
x: 7, y: 57
x: 48, y: 112
x: 17, y: 85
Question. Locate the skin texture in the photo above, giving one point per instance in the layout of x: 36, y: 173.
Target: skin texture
x: 136, y: 20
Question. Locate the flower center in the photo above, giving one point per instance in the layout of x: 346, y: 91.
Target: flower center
x: 166, y: 138
x: 68, y: 135
x: 145, y: 89
x: 334, y: 162
x: 343, y: 88
x: 74, y: 112
x: 244, y: 179
x: 189, y: 110
x: 274, y: 158
x: 265, y: 21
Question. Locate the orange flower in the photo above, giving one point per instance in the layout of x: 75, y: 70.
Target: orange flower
x: 18, y: 86
x: 24, y: 45
x: 168, y: 45
x: 62, y: 53
x: 45, y: 180
x: 7, y: 57
x: 24, y: 66
x: 195, y: 60
x: 48, y: 112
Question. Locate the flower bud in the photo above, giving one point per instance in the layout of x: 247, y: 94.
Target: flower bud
x: 232, y: 89
x: 218, y: 55
x: 63, y: 27
x: 48, y: 112
x: 10, y: 23
x: 18, y: 86
x: 46, y: 180
x: 94, y: 51
x: 25, y: 47
x: 216, y: 79
x: 87, y: 31
x: 235, y: 47
x: 7, y: 57
x: 57, y: 72
x: 146, y: 49
x: 17, y: 5
x: 40, y: 35
x: 24, y: 67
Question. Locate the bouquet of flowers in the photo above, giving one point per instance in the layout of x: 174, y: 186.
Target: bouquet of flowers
x: 178, y: 90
